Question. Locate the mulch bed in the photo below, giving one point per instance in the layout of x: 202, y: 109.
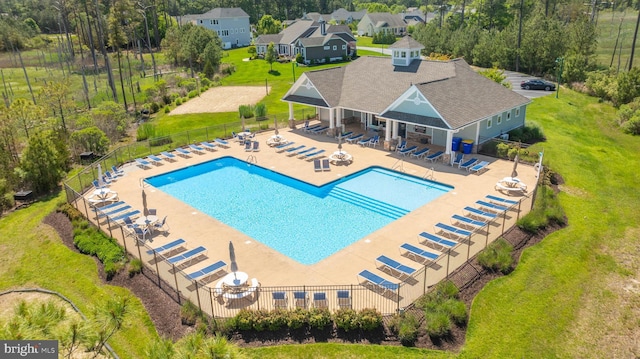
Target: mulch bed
x: 165, y: 311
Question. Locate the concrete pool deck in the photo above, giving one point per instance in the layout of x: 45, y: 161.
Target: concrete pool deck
x: 274, y: 269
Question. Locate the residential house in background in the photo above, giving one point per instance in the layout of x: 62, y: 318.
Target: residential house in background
x: 340, y: 16
x: 231, y: 25
x: 420, y: 100
x: 373, y: 23
x: 316, y: 41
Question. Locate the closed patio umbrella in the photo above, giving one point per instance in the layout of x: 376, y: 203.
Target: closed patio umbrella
x: 145, y: 208
x: 275, y: 121
x: 514, y: 173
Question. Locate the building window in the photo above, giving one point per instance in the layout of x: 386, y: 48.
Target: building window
x: 201, y: 21
x: 499, y: 119
x: 489, y: 123
x: 326, y: 47
x: 403, y: 54
x: 509, y: 115
x: 335, y: 47
x: 517, y: 111
x: 211, y: 22
x: 344, y: 47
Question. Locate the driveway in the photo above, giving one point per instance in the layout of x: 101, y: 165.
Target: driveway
x: 515, y: 78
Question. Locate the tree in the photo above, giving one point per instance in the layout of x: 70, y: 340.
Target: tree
x: 25, y: 114
x: 111, y: 119
x: 90, y: 139
x: 41, y: 163
x: 108, y: 320
x: 55, y: 95
x: 269, y: 25
x: 271, y: 55
x: 496, y: 75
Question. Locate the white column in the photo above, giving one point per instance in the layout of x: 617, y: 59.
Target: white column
x: 387, y: 132
x: 339, y: 117
x: 395, y: 130
x: 332, y: 118
x: 291, y: 111
x: 447, y: 145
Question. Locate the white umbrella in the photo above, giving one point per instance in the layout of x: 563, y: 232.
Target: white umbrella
x: 514, y: 173
x: 275, y: 120
x: 100, y: 180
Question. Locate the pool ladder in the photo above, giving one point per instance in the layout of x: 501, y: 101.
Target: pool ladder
x: 252, y: 159
x: 430, y: 174
x: 399, y: 165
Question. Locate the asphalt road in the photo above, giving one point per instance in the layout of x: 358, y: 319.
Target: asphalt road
x: 516, y: 78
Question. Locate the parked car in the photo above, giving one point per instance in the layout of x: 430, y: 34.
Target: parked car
x: 537, y: 85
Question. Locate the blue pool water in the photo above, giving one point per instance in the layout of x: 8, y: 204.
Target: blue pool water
x: 305, y: 222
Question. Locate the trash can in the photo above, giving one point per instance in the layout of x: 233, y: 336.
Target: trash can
x: 455, y: 143
x: 467, y: 146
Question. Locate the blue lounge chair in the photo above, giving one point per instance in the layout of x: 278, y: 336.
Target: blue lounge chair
x: 466, y: 221
x: 317, y: 165
x: 492, y: 207
x: 344, y: 299
x: 478, y: 167
x: 155, y: 159
x: 303, y: 151
x: 408, y: 150
x: 435, y: 156
x: 394, y: 267
x: 112, y: 211
x: 421, y: 152
x: 187, y: 255
x: 500, y: 200
x: 309, y: 128
x: 109, y: 206
x: 283, y: 147
x: 208, y: 146
x: 294, y: 149
x: 344, y: 135
x: 197, y: 149
x: 168, y: 246
x: 377, y: 281
x: 468, y: 164
x: 457, y: 160
x: 123, y: 216
x: 208, y: 270
x: 418, y: 254
x: 168, y: 155
x: 116, y: 171
x: 110, y: 176
x: 310, y: 155
x: 142, y: 163
x: 354, y: 138
x: 480, y: 213
x: 222, y: 143
x: 401, y: 146
x: 182, y: 152
x: 435, y: 242
x: 255, y: 146
x: 326, y: 165
x: 365, y: 141
x: 320, y: 300
x: 374, y: 141
x: 247, y: 146
x: 447, y: 229
x: 301, y: 299
x: 319, y: 130
x: 280, y: 300
x: 96, y: 184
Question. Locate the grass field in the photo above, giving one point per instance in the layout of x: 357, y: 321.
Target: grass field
x: 608, y: 24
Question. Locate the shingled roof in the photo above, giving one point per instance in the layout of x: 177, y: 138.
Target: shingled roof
x: 372, y: 84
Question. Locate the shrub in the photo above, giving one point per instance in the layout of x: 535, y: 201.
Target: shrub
x: 145, y: 131
x: 297, y: 318
x: 167, y: 109
x: 277, y: 319
x: 135, y: 267
x: 261, y: 320
x: 319, y: 318
x: 189, y: 313
x: 154, y: 107
x: 93, y: 242
x: 261, y: 110
x: 457, y: 311
x: 346, y: 319
x: 497, y: 256
x: 438, y: 324
x: 193, y: 94
x: 407, y: 329
x: 205, y: 82
x: 546, y: 209
x: 245, y: 111
x: 178, y: 102
x: 244, y: 319
x: 221, y: 326
x: 369, y: 319
x: 159, y: 141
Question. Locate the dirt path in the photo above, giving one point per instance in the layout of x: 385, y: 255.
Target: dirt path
x: 222, y: 99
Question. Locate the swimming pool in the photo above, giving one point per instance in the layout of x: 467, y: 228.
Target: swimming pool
x: 304, y: 222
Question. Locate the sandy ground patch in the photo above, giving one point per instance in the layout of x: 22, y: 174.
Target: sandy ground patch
x: 222, y: 99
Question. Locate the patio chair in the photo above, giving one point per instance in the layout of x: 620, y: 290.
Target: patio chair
x: 208, y: 146
x: 401, y: 146
x: 344, y: 135
x: 500, y: 200
x: 374, y: 141
x: 140, y: 233
x: 417, y: 254
x: 206, y: 271
x: 279, y: 300
x: 129, y: 223
x: 421, y: 152
x: 222, y: 143
x: 478, y: 213
x: 468, y: 163
x: 182, y: 152
x: 255, y: 147
x: 301, y: 299
x: 492, y: 207
x: 310, y: 155
x: 319, y: 130
x: 326, y: 165
x: 155, y: 159
x: 142, y: 163
x: 363, y: 142
x: 457, y: 160
x: 344, y: 299
x: 467, y: 222
x: 190, y: 254
x: 317, y: 165
x: 96, y: 184
x: 446, y: 229
x: 434, y: 157
x: 168, y: 156
x: 435, y: 242
x: 408, y: 150
x: 478, y: 167
x: 164, y: 248
x: 111, y: 177
x: 377, y: 282
x: 197, y: 149
x: 162, y: 225
x: 393, y: 267
x: 112, y: 211
x: 247, y: 146
x: 320, y: 300
x: 116, y: 171
x: 354, y: 138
